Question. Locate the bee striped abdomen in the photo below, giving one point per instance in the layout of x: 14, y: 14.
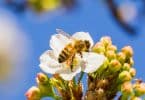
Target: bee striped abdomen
x: 65, y: 54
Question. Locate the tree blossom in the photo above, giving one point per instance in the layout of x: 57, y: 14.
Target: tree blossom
x: 89, y: 62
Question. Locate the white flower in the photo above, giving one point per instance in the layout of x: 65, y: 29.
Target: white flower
x: 89, y: 63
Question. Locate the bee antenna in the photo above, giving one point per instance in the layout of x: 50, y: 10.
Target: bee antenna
x: 59, y: 31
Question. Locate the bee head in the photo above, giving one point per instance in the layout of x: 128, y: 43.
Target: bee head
x: 87, y: 44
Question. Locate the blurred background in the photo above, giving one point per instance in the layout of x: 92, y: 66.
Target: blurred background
x: 27, y: 25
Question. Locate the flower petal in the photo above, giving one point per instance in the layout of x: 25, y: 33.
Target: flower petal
x: 92, y: 61
x: 68, y: 74
x: 83, y: 36
x: 58, y: 42
x: 48, y: 62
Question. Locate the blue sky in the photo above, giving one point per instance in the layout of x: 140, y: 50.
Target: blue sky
x: 91, y: 16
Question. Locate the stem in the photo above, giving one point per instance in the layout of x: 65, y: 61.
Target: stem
x: 80, y: 78
x: 74, y: 81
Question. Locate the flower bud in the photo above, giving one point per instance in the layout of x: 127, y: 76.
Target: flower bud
x: 33, y: 93
x: 42, y: 78
x: 112, y: 48
x: 106, y: 40
x: 126, y: 88
x: 124, y: 76
x: 126, y: 66
x: 128, y: 51
x: 99, y: 48
x: 115, y: 65
x: 44, y: 84
x: 139, y: 89
x: 110, y: 54
x: 121, y: 57
x: 132, y: 72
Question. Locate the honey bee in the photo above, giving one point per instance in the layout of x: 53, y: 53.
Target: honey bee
x: 73, y: 48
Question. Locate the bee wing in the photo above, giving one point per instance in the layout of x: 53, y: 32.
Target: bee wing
x: 92, y: 61
x: 58, y: 42
x: 83, y: 36
x: 60, y: 31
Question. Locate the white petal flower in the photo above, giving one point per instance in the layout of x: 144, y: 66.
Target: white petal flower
x: 83, y: 36
x: 91, y: 61
x: 49, y: 64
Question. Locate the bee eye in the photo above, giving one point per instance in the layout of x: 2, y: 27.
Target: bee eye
x: 87, y: 43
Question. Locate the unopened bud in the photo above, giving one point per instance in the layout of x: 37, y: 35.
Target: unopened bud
x: 99, y: 48
x: 132, y: 72
x: 106, y: 40
x: 42, y: 78
x: 124, y: 76
x: 126, y: 66
x: 128, y: 51
x: 112, y: 48
x: 33, y: 93
x: 110, y: 54
x: 44, y: 84
x: 139, y: 89
x: 121, y: 57
x: 126, y: 88
x: 115, y: 65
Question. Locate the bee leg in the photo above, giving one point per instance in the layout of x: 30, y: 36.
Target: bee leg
x: 81, y: 54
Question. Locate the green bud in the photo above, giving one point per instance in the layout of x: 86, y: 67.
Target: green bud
x: 106, y: 40
x: 139, y: 89
x: 44, y: 85
x: 114, y: 65
x: 128, y: 51
x: 126, y: 66
x: 110, y: 54
x: 121, y: 57
x: 126, y: 88
x: 42, y: 78
x: 124, y: 76
x: 99, y: 48
x: 112, y: 48
x: 132, y: 72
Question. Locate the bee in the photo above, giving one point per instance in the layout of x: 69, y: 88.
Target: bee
x: 73, y: 48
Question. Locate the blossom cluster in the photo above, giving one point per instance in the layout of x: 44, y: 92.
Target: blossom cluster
x: 110, y: 72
